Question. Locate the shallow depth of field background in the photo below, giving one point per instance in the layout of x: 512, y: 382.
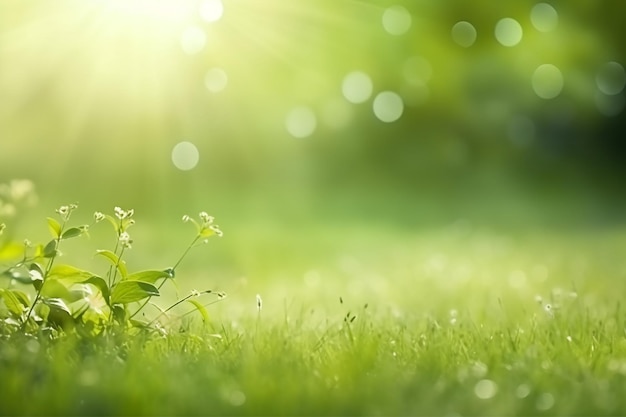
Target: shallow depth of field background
x: 335, y: 141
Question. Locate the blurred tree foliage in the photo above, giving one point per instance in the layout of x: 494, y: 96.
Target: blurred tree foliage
x: 99, y: 92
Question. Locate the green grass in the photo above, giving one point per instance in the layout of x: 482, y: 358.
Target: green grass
x: 360, y: 321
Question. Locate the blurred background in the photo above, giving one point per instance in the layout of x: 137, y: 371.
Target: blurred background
x: 294, y: 122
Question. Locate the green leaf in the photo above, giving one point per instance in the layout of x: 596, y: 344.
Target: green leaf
x: 50, y: 249
x: 36, y: 268
x: 69, y: 272
x: 60, y: 314
x: 72, y: 232
x: 12, y: 302
x: 100, y: 284
x: 11, y: 250
x: 119, y: 313
x: 115, y: 261
x: 55, y: 227
x: 54, y: 288
x: 150, y: 276
x: 114, y: 223
x: 35, y: 274
x: 20, y: 276
x: 130, y: 291
x: 201, y: 309
x: 22, y: 297
x: 57, y: 304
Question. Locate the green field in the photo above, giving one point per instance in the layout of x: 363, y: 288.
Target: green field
x: 360, y: 319
x: 422, y: 206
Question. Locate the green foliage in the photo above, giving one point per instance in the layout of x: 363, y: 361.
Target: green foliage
x: 66, y: 298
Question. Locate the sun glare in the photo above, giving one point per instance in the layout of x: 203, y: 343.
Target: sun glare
x: 162, y: 10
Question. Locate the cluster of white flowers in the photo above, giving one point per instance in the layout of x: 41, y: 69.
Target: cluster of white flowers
x: 205, y: 225
x: 98, y: 217
x: 125, y: 240
x: 66, y: 211
x: 123, y: 214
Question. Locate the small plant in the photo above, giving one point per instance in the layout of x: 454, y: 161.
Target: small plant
x: 66, y: 298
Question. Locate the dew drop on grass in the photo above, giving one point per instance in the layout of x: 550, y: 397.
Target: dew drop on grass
x: 485, y: 389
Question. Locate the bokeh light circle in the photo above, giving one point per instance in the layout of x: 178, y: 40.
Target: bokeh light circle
x: 301, y: 122
x: 611, y: 78
x: 508, y: 32
x: 215, y: 80
x: 185, y: 156
x: 357, y: 87
x: 485, y: 389
x: 397, y: 20
x: 464, y: 34
x: 388, y: 106
x: 547, y: 81
x: 192, y: 40
x: 211, y: 10
x: 609, y: 105
x: 544, y: 17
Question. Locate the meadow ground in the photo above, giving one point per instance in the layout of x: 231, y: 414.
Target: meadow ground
x: 458, y: 320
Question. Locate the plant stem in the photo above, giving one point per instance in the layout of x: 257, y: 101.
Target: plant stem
x: 45, y: 274
x: 191, y: 245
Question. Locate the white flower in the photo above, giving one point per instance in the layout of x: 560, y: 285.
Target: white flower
x: 217, y: 230
x: 206, y: 219
x: 125, y: 240
x: 98, y: 216
x: 548, y: 309
x: 259, y: 302
x: 186, y: 218
x: 123, y: 214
